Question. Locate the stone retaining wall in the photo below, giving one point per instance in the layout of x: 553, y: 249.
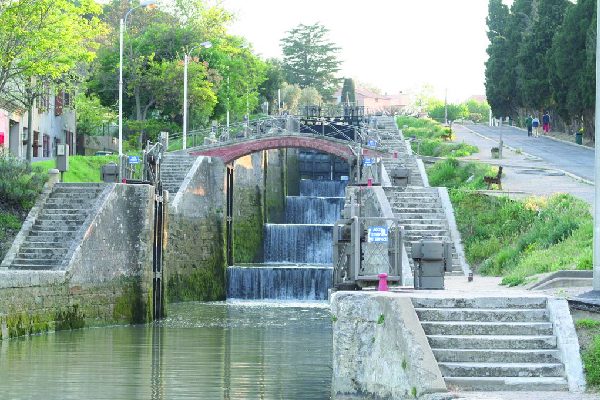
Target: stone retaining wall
x: 108, y: 280
x: 380, y: 349
x: 194, y: 261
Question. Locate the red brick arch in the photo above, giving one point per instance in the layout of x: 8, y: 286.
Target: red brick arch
x: 229, y: 152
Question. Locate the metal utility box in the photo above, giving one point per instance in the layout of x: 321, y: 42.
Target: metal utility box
x: 62, y: 157
x: 110, y: 173
x: 400, y: 176
x: 432, y: 258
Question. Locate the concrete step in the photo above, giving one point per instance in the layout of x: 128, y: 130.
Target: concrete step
x: 429, y: 212
x: 35, y: 262
x: 60, y: 211
x: 482, y: 314
x: 507, y: 384
x: 40, y: 231
x: 28, y: 267
x: 57, y: 224
x: 501, y: 369
x: 410, y: 216
x: 487, y: 328
x: 43, y: 217
x: 512, y: 342
x: 410, y: 228
x: 481, y: 302
x: 494, y: 355
x: 25, y: 252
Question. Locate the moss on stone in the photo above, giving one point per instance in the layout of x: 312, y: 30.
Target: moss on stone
x: 69, y: 318
x: 131, y: 305
x: 248, y: 227
x: 206, y: 283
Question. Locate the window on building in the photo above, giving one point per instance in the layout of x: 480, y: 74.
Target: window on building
x: 44, y: 102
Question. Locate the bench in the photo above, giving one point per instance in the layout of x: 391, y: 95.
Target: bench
x: 494, y: 180
x: 446, y: 136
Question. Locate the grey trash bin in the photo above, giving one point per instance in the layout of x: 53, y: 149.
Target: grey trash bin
x: 432, y: 258
x: 110, y: 173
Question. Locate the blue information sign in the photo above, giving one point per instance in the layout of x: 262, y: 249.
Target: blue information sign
x: 134, y: 159
x: 372, y: 143
x: 367, y: 162
x: 377, y: 234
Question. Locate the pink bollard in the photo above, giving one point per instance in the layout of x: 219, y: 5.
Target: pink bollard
x: 370, y: 182
x: 395, y: 154
x: 383, y: 286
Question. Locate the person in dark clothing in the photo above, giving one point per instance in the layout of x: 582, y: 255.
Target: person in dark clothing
x: 546, y: 122
x: 529, y: 123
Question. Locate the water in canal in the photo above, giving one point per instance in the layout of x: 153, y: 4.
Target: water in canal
x: 209, y: 351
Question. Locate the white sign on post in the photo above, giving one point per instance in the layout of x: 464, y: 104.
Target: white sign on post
x: 377, y: 234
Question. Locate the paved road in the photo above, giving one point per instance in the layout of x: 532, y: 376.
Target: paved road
x: 578, y: 161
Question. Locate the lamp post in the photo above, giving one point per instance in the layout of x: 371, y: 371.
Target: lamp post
x: 206, y: 45
x: 596, y: 256
x: 123, y: 24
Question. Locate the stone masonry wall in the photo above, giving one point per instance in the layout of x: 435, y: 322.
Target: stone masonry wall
x: 248, y: 208
x: 274, y: 187
x: 108, y: 279
x: 194, y: 266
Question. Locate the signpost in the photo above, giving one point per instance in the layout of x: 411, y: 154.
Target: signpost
x: 367, y: 162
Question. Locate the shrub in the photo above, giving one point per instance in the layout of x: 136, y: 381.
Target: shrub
x: 591, y: 362
x: 19, y: 183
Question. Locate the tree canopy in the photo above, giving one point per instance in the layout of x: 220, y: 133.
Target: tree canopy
x: 309, y: 58
x: 542, y: 56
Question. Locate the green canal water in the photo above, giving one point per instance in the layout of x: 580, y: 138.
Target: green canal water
x: 208, y: 351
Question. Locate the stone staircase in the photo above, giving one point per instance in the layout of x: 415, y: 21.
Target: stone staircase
x: 174, y: 168
x: 489, y: 343
x: 56, y: 226
x: 421, y: 213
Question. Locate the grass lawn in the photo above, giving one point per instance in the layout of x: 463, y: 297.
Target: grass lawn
x: 515, y: 239
x: 429, y: 134
x: 81, y: 168
x: 588, y: 331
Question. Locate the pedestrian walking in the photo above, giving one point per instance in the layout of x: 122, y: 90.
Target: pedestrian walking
x: 535, y: 124
x: 529, y: 124
x: 546, y: 122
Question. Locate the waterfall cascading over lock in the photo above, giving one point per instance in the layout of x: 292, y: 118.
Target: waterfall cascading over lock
x: 296, y: 243
x: 312, y: 188
x: 313, y: 210
x: 280, y: 282
x: 298, y: 253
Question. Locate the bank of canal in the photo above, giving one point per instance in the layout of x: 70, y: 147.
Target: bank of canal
x: 235, y: 350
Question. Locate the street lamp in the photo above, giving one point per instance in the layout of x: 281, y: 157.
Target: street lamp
x: 206, y: 45
x: 123, y: 24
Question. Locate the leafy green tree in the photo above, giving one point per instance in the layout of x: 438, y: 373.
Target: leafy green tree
x: 44, y: 42
x: 477, y: 110
x: 455, y: 112
x: 274, y: 79
x: 497, y: 68
x: 290, y: 96
x: 533, y: 74
x: 348, y: 91
x: 91, y: 114
x: 519, y: 23
x: 572, y: 67
x: 310, y: 58
x: 226, y: 76
x: 310, y: 96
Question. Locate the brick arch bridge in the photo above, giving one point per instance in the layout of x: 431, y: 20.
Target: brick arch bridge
x: 230, y: 151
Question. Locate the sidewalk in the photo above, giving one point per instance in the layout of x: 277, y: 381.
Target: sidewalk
x: 524, y: 175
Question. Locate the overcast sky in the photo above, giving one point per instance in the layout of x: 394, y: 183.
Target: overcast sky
x: 391, y: 44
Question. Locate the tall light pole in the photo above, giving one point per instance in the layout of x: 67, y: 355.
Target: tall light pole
x: 123, y: 25
x: 206, y: 45
x: 597, y: 163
